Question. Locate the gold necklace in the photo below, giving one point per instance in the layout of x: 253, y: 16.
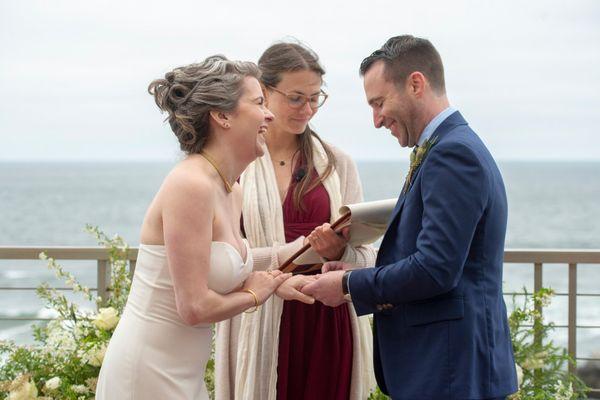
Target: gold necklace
x: 228, y: 187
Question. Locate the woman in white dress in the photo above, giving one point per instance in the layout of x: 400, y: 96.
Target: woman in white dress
x: 193, y: 266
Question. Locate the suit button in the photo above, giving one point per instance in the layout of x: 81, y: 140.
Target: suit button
x: 379, y: 307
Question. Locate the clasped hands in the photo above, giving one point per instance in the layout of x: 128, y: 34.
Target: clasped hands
x: 327, y: 286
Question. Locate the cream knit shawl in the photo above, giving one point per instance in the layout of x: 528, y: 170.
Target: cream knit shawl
x: 257, y: 344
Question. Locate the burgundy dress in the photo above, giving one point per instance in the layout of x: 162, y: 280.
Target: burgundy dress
x: 315, y: 341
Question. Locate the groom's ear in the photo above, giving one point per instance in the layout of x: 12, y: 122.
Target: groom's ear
x: 416, y: 83
x: 221, y: 119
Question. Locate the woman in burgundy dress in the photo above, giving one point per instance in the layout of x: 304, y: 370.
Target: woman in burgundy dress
x: 289, y: 349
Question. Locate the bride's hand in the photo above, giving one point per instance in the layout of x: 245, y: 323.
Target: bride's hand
x: 291, y: 289
x: 264, y: 283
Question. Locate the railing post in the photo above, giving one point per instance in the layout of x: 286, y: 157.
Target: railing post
x: 103, y: 277
x: 572, y: 334
x: 131, y: 268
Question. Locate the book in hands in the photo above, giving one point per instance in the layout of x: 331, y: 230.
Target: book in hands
x: 367, y: 222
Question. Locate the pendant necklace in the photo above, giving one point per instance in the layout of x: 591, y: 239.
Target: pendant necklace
x: 228, y: 187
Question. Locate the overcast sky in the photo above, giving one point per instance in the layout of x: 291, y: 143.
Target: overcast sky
x: 73, y: 74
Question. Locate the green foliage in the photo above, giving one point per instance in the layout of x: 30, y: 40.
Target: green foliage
x: 378, y: 395
x: 543, y: 365
x: 65, y: 360
x: 120, y: 281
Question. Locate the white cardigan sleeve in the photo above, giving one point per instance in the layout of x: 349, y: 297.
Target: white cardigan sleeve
x: 360, y: 256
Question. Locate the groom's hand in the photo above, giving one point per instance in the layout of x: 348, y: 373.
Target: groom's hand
x: 336, y: 266
x: 327, y: 288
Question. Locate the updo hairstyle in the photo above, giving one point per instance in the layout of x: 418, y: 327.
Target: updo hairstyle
x: 189, y: 93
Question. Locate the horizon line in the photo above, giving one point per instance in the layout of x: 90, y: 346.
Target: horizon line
x: 165, y: 160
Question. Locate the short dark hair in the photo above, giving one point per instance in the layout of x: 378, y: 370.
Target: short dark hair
x: 406, y: 54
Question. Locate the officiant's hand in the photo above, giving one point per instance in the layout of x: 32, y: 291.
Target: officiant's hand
x: 291, y: 288
x: 327, y: 243
x: 327, y: 288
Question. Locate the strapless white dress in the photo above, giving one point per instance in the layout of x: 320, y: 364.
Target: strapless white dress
x: 153, y: 354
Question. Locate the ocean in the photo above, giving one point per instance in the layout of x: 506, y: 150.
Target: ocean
x: 551, y: 205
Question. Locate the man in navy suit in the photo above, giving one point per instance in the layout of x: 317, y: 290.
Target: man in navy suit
x: 440, y: 322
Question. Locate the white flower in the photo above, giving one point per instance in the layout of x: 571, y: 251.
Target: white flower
x: 60, y: 341
x: 80, y: 329
x: 519, y: 375
x: 106, y: 319
x: 52, y: 384
x: 562, y: 392
x: 81, y: 389
x: 25, y: 390
x: 96, y: 356
x: 535, y: 362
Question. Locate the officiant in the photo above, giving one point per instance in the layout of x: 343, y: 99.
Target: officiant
x: 290, y: 349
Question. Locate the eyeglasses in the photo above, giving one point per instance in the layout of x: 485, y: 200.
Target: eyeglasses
x: 296, y: 100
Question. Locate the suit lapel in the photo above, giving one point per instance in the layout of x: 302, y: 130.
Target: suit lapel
x: 453, y: 120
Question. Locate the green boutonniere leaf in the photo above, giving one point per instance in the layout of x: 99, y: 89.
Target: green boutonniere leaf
x: 416, y: 159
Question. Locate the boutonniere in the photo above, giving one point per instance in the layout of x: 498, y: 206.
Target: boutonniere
x: 416, y: 159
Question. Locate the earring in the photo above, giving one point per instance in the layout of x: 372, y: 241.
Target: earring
x: 226, y: 126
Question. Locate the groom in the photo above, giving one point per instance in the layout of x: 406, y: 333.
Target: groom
x: 440, y: 322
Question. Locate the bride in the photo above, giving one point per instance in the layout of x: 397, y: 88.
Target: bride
x: 193, y: 266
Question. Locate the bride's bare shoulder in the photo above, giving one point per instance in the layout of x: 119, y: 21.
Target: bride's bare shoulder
x: 188, y: 179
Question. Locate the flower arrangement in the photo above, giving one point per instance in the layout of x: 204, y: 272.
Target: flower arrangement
x: 65, y: 360
x: 541, y: 365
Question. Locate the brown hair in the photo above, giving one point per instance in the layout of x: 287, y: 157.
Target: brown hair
x: 406, y: 54
x: 189, y: 93
x: 285, y: 57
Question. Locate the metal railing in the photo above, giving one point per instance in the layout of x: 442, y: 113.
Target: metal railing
x: 98, y: 254
x: 537, y: 258
x: 570, y: 258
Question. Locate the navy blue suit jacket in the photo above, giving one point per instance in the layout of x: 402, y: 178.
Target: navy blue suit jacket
x: 440, y: 323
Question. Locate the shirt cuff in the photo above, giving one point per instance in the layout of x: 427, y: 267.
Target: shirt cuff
x: 348, y: 283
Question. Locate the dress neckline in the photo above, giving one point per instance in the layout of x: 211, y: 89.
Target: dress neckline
x: 235, y: 250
